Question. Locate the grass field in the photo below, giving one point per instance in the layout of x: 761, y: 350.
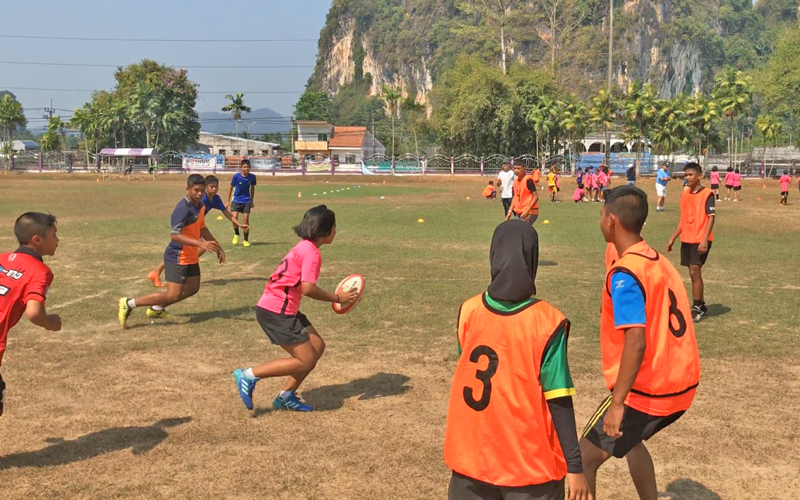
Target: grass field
x: 151, y: 412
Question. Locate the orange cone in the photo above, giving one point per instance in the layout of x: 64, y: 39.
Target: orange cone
x: 299, y: 194
x: 384, y: 181
x: 97, y: 180
x: 765, y: 187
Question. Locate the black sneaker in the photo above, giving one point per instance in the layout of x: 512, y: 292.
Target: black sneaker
x: 699, y: 312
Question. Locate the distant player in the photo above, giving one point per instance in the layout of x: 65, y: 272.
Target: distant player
x: 182, y: 269
x: 489, y: 192
x: 278, y: 313
x: 25, y: 279
x: 785, y: 181
x: 552, y: 187
x: 649, y: 352
x: 602, y: 182
x: 211, y: 200
x: 526, y: 197
x: 536, y: 175
x: 695, y: 228
x: 728, y: 183
x: 243, y: 188
x: 588, y: 182
x: 510, y: 422
x: 662, y: 179
x: 630, y: 175
x: 737, y: 184
x: 715, y: 182
x: 505, y: 182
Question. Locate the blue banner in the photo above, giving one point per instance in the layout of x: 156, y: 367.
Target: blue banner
x: 619, y: 162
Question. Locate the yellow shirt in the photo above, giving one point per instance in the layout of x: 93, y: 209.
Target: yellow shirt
x: 551, y: 179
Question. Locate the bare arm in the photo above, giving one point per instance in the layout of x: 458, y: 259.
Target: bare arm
x: 631, y: 361
x: 230, y: 197
x: 36, y: 313
x: 228, y: 215
x: 213, y: 246
x: 311, y: 290
x: 252, y: 195
x: 703, y: 246
x: 674, y: 237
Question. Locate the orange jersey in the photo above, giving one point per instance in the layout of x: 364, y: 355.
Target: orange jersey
x: 513, y: 358
x: 536, y: 175
x: 488, y: 190
x: 188, y: 220
x: 523, y: 196
x: 695, y: 216
x: 612, y: 256
x: 670, y: 370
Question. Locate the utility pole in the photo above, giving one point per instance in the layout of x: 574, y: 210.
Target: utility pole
x: 49, y: 111
x: 291, y: 135
x: 610, y: 72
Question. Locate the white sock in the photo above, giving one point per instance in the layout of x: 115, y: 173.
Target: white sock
x: 132, y: 303
x: 249, y: 374
x: 157, y: 308
x: 284, y: 394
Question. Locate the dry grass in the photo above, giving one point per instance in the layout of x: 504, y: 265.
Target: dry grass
x: 151, y: 412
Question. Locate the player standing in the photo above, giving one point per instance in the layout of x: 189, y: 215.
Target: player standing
x: 526, y: 197
x: 243, y: 188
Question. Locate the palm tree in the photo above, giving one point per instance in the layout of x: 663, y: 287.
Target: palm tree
x: 733, y: 91
x: 702, y: 114
x: 770, y: 127
x: 573, y: 121
x: 414, y: 114
x: 57, y: 125
x: 86, y: 120
x: 143, y: 108
x: 11, y: 116
x: 236, y: 108
x: 391, y: 96
x: 603, y: 113
x: 49, y: 142
x: 638, y: 108
x: 672, y: 127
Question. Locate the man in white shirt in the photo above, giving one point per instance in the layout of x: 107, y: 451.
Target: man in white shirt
x: 505, y: 180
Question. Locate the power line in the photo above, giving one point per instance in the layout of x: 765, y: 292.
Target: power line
x: 199, y: 91
x: 90, y: 65
x: 160, y: 40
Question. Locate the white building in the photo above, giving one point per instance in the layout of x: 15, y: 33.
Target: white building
x: 312, y: 138
x: 350, y: 145
x: 227, y: 145
x: 20, y: 146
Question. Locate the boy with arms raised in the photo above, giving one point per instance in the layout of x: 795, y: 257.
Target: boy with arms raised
x: 189, y: 235
x: 510, y: 423
x: 649, y: 352
x: 695, y: 229
x: 243, y: 189
x: 25, y: 279
x: 211, y: 200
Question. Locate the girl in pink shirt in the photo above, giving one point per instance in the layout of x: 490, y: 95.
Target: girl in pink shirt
x: 602, y: 182
x: 728, y: 183
x: 715, y: 181
x: 737, y: 184
x: 785, y: 181
x: 278, y: 313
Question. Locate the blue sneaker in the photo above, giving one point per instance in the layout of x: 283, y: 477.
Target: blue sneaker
x: 245, y: 387
x: 291, y: 403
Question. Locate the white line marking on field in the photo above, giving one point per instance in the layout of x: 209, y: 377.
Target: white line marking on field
x: 80, y: 299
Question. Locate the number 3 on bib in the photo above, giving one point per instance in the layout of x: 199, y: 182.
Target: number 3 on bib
x: 484, y: 376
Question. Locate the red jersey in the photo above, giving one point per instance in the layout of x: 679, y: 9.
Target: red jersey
x: 23, y: 277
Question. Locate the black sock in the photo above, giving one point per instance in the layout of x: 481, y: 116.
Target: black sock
x: 697, y: 303
x: 236, y: 231
x: 246, y: 235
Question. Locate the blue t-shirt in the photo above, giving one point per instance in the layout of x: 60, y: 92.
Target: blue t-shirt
x: 241, y: 191
x: 661, y: 177
x: 211, y: 204
x: 627, y: 298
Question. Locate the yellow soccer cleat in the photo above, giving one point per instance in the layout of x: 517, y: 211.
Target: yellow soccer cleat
x: 153, y: 314
x: 246, y: 243
x: 235, y: 240
x: 124, y: 312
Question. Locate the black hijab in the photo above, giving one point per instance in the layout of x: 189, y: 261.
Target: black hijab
x: 514, y: 258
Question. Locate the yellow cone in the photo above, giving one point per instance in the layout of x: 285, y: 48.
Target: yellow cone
x: 467, y: 197
x: 219, y: 217
x: 421, y: 221
x: 546, y: 221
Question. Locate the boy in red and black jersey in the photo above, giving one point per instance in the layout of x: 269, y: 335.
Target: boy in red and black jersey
x: 25, y: 279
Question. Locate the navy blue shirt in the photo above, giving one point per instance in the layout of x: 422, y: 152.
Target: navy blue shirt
x: 631, y: 172
x: 241, y: 190
x: 211, y: 204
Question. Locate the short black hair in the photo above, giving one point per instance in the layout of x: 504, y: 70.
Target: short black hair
x: 785, y: 172
x: 714, y: 168
x: 31, y: 224
x: 692, y: 166
x: 211, y: 179
x: 317, y: 222
x: 506, y: 163
x: 195, y: 180
x: 629, y: 204
x: 736, y: 170
x: 245, y: 162
x: 730, y: 169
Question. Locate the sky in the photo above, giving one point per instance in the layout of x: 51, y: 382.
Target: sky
x: 253, y: 22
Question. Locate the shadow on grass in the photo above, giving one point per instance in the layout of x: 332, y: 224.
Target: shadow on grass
x: 62, y: 452
x: 687, y: 489
x: 547, y: 263
x: 717, y: 310
x: 332, y: 397
x: 227, y: 314
x: 223, y: 281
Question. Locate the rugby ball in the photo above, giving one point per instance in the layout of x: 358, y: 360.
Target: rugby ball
x: 352, y: 282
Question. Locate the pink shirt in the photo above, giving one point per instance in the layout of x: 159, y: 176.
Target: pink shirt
x: 737, y: 179
x: 282, y: 294
x: 715, y: 178
x: 577, y: 195
x: 589, y: 181
x: 785, y: 181
x: 602, y: 179
x: 729, y: 178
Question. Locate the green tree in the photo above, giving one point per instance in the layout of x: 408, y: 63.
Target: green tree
x: 733, y: 91
x: 574, y: 118
x: 770, y: 128
x: 392, y: 97
x: 57, y: 126
x: 144, y: 108
x: 236, y: 108
x: 638, y: 110
x: 313, y: 106
x: 49, y: 142
x: 12, y: 115
x: 86, y: 121
x: 703, y: 115
x: 779, y: 82
x: 671, y: 129
x: 602, y: 114
x: 498, y: 16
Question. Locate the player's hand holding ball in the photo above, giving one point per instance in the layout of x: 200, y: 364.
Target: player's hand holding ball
x: 348, y: 296
x: 53, y: 322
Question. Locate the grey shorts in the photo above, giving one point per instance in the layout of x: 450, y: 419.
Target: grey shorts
x: 466, y: 488
x: 531, y: 218
x: 176, y: 273
x: 283, y: 329
x: 242, y: 208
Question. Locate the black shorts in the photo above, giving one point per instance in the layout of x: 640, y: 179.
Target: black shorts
x: 715, y: 186
x: 728, y: 186
x: 636, y: 427
x: 242, y: 208
x: 784, y: 193
x: 283, y: 329
x: 2, y: 393
x: 737, y: 188
x: 176, y: 273
x: 465, y: 488
x: 690, y: 255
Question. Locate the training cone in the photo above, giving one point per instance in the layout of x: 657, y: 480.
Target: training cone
x: 758, y: 199
x: 384, y: 181
x: 299, y: 194
x: 97, y: 180
x: 546, y: 222
x: 765, y: 187
x: 421, y: 221
x: 382, y: 197
x: 220, y: 217
x: 467, y: 197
